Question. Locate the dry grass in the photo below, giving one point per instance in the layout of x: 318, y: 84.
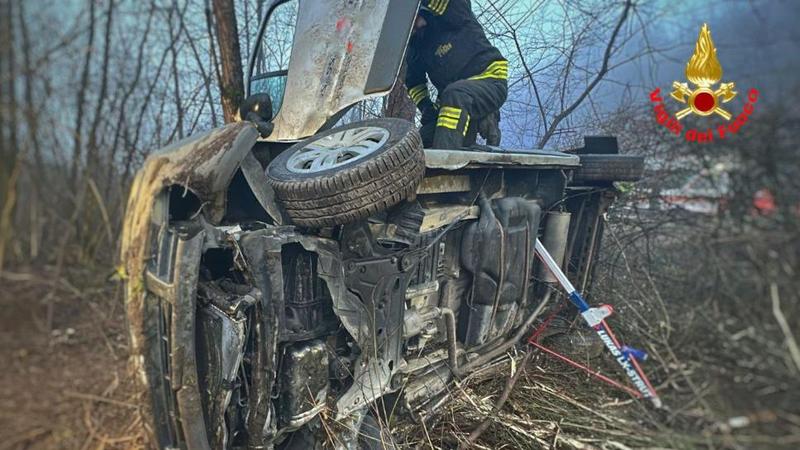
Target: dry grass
x: 721, y: 348
x: 65, y: 387
x: 716, y: 307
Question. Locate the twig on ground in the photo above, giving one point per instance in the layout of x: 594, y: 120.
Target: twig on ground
x: 503, y: 398
x: 794, y: 351
x: 97, y: 398
x: 29, y: 437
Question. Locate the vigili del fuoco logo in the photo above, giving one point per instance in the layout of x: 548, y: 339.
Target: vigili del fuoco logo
x: 704, y: 97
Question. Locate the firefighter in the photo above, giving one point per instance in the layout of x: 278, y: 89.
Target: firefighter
x: 449, y: 47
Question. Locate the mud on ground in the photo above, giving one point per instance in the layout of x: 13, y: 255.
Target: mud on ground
x: 64, y: 383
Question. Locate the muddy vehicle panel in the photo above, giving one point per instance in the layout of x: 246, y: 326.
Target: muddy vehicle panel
x: 273, y: 286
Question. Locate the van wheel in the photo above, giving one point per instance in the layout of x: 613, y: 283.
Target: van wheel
x: 348, y: 173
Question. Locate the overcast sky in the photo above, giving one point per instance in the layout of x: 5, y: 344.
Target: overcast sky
x: 757, y: 43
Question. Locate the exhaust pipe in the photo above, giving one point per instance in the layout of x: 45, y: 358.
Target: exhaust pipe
x: 556, y: 233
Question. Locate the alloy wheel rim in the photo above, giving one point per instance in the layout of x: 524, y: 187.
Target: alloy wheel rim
x: 337, y: 149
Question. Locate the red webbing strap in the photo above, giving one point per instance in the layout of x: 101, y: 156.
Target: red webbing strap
x: 537, y: 332
x: 594, y: 373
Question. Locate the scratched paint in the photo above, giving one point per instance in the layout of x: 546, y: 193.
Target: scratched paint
x: 332, y: 56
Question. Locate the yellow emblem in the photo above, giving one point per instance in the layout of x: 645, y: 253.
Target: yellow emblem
x: 443, y: 49
x: 703, y: 70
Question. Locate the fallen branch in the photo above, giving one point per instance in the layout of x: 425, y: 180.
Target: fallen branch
x: 97, y: 398
x: 794, y: 351
x: 502, y: 400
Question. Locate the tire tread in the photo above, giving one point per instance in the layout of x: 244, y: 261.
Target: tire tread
x: 358, y: 191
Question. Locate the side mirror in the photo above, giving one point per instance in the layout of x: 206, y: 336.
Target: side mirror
x: 257, y: 108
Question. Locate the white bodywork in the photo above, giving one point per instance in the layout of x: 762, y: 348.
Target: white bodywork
x: 334, y: 49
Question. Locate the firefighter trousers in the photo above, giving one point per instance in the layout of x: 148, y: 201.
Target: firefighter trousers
x: 463, y: 106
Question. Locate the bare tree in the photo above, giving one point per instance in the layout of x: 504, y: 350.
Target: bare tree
x: 560, y: 53
x: 7, y: 129
x: 231, y: 79
x: 93, y: 152
x: 10, y: 167
x: 601, y: 73
x: 173, y: 38
x: 77, y: 146
x: 122, y: 131
x: 398, y: 103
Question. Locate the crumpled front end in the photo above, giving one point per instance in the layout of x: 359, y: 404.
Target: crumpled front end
x: 194, y: 172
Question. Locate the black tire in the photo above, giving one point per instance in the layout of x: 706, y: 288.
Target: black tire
x: 356, y: 190
x: 599, y: 168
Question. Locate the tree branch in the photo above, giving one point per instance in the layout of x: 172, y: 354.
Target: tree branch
x: 598, y: 77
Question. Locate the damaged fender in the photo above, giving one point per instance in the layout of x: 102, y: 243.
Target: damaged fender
x: 204, y: 165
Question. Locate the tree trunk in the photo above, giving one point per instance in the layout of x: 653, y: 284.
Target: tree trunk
x: 9, y: 145
x: 7, y: 149
x: 93, y: 156
x: 77, y: 146
x: 399, y: 104
x: 231, y: 80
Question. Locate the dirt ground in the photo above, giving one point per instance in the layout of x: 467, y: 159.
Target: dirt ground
x: 64, y: 385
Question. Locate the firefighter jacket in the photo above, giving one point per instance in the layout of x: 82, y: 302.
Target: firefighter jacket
x: 452, y: 46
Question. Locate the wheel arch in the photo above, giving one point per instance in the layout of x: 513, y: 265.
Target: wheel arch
x: 192, y: 174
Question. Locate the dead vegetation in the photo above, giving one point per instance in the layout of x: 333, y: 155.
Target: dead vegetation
x: 67, y: 385
x: 720, y: 354
x: 713, y: 299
